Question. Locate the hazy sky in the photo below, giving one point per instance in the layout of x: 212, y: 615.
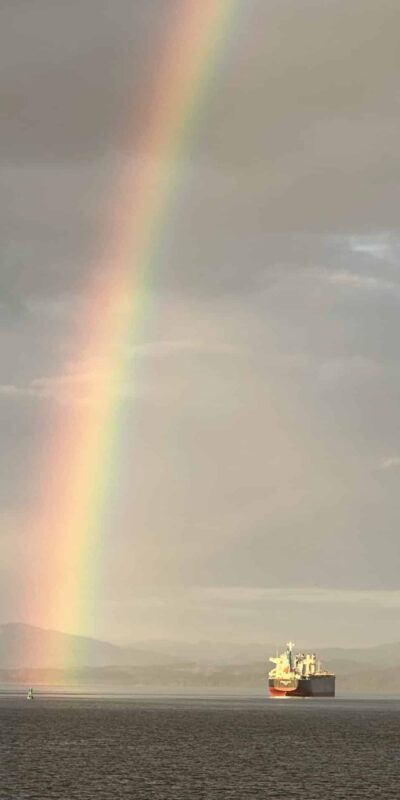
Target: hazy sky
x: 257, y: 493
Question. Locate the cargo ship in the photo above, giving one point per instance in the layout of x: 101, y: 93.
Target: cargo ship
x: 299, y: 675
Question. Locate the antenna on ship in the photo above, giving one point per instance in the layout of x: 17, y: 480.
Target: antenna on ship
x: 290, y: 646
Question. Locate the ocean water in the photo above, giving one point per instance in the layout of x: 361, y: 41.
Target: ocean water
x: 90, y: 748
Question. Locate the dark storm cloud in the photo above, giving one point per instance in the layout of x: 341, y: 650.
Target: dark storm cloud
x: 74, y: 74
x: 69, y: 86
x: 300, y: 132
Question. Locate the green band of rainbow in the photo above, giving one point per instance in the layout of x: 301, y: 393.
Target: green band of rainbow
x: 82, y: 460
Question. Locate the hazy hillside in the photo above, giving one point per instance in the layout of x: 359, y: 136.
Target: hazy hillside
x: 33, y: 655
x: 378, y: 681
x: 23, y: 646
x: 151, y: 677
x: 230, y: 653
x: 191, y: 677
x: 380, y: 655
x: 208, y: 652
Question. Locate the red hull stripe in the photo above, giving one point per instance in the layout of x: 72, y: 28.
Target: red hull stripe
x: 279, y: 693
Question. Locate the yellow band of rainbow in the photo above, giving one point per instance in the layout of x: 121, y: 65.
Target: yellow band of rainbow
x: 80, y: 468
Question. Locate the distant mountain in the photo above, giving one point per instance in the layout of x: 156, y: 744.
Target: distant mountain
x: 208, y: 652
x: 153, y: 678
x: 371, y: 681
x: 33, y: 655
x: 379, y: 655
x: 190, y: 677
x: 27, y: 646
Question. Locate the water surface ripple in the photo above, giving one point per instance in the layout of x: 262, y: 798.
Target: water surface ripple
x: 67, y: 748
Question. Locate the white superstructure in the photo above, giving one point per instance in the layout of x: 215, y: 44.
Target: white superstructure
x: 299, y: 665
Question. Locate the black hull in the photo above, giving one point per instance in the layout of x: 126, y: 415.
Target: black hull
x: 314, y: 686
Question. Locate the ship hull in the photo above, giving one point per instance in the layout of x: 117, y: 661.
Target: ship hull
x: 313, y: 686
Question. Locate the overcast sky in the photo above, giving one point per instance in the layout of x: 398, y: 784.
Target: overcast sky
x: 256, y: 495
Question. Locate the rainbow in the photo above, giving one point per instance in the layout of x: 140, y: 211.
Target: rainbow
x: 78, y: 474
